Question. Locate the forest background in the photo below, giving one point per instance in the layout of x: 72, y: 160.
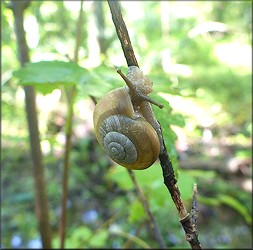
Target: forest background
x: 199, y: 56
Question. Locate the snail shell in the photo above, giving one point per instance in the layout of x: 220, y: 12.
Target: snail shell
x: 123, y: 132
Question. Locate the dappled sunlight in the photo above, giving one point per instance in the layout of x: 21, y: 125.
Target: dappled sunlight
x: 206, y: 27
x: 247, y: 185
x: 49, y: 9
x: 189, y: 107
x: 187, y: 9
x: 45, y: 147
x: 134, y: 10
x: 74, y: 6
x: 84, y: 110
x: 173, y: 68
x: 93, y: 59
x: 47, y: 103
x: 32, y: 31
x: 234, y: 54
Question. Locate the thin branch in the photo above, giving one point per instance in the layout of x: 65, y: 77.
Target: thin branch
x: 122, y: 33
x: 67, y: 149
x: 128, y: 243
x: 194, y: 211
x: 132, y: 238
x: 168, y: 172
x: 171, y: 183
x: 151, y: 218
x: 68, y: 134
x: 41, y: 203
x: 131, y: 61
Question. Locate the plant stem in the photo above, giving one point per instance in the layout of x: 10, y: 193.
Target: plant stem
x: 194, y: 211
x: 132, y: 238
x: 41, y: 203
x: 68, y: 134
x: 151, y: 218
x: 67, y: 150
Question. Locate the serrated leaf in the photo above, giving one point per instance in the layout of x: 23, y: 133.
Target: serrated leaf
x: 48, y: 75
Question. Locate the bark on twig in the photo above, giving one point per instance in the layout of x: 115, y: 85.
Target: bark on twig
x: 41, y: 203
x: 168, y: 172
x: 131, y: 61
x: 122, y: 33
x: 194, y: 211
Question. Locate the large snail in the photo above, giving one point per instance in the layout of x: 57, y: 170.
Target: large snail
x: 124, y: 125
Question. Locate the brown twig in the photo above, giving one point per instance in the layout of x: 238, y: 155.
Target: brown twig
x: 122, y: 33
x: 131, y: 61
x: 41, y: 203
x: 194, y: 211
x: 168, y: 172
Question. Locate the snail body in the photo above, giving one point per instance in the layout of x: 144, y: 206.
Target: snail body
x: 121, y: 126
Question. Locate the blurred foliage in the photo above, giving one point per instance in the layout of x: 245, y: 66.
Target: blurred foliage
x: 211, y: 69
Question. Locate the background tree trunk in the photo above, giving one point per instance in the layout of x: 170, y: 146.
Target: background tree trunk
x: 41, y: 203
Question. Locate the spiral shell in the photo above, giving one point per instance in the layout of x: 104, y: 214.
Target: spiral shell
x: 123, y: 132
x: 116, y: 144
x: 131, y: 143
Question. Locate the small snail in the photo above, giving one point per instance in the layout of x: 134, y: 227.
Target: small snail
x: 121, y: 122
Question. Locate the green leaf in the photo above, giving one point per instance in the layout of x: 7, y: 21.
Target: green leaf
x: 176, y: 119
x: 236, y: 205
x: 136, y: 213
x: 99, y: 239
x: 229, y: 201
x: 152, y: 183
x: 185, y: 184
x: 167, y: 118
x: 212, y: 201
x: 83, y: 236
x: 79, y: 237
x: 149, y: 176
x: 100, y: 81
x: 120, y: 176
x: 49, y: 75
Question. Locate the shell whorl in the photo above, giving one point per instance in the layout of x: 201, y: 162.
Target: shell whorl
x: 121, y: 128
x: 115, y: 141
x: 120, y: 148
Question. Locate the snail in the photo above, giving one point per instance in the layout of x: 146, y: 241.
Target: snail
x: 123, y: 125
